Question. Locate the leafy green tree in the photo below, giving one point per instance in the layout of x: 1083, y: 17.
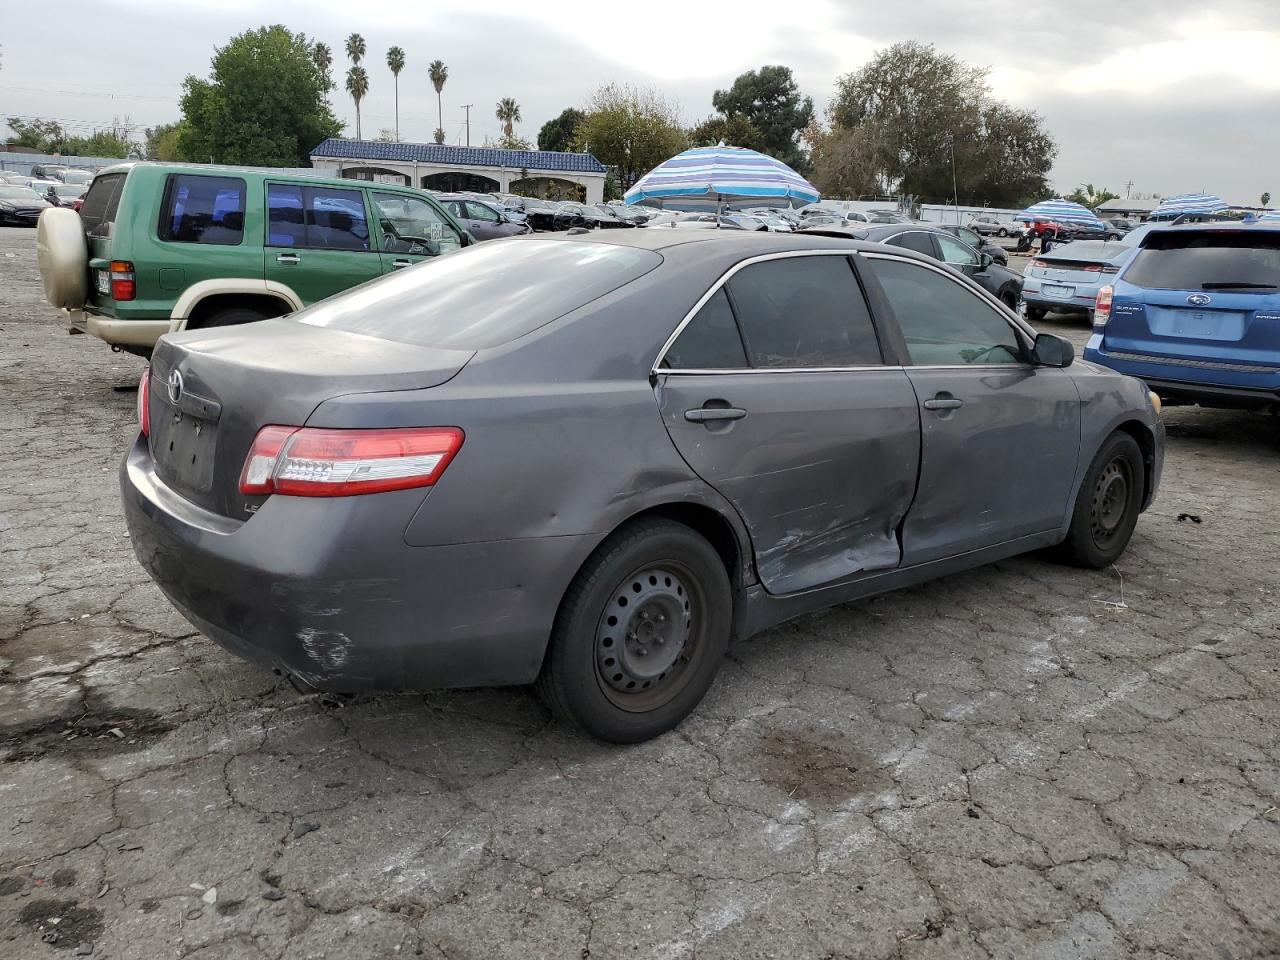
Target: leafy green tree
x: 770, y: 101
x: 264, y: 103
x: 734, y: 130
x: 1087, y: 196
x: 355, y: 49
x: 508, y: 113
x: 557, y: 133
x: 505, y: 142
x: 395, y: 63
x: 923, y: 113
x: 322, y: 56
x: 358, y: 87
x: 162, y: 142
x: 438, y: 73
x: 41, y: 136
x: 632, y: 129
x: 104, y: 143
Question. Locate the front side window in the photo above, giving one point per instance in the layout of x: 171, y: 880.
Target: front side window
x: 201, y: 209
x: 916, y: 240
x: 804, y: 312
x: 478, y: 211
x: 943, y: 323
x: 412, y: 225
x: 957, y: 253
x: 317, y: 218
x: 710, y: 341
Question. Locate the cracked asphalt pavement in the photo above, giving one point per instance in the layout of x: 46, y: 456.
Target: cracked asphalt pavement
x: 1027, y: 760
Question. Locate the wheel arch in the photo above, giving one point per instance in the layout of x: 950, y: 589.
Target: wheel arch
x: 1146, y: 441
x: 201, y: 298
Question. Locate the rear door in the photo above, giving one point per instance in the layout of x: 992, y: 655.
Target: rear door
x: 318, y: 239
x: 1211, y: 295
x: 1000, y: 437
x: 777, y: 394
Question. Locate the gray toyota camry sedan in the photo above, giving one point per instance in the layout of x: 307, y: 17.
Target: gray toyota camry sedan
x: 589, y: 461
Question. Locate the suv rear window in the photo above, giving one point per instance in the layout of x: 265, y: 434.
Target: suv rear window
x: 101, y: 202
x: 484, y: 295
x: 200, y: 209
x: 1210, y: 260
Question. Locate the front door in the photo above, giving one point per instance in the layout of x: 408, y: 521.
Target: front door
x: 776, y: 394
x: 411, y: 230
x: 318, y: 240
x: 1001, y: 437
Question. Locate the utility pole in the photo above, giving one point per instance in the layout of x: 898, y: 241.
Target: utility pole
x: 1127, y: 187
x: 467, y: 107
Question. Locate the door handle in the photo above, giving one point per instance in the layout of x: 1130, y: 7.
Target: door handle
x: 711, y: 414
x: 943, y: 402
x: 287, y: 258
x: 401, y: 264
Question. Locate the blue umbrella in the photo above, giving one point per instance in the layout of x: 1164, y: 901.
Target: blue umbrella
x: 1270, y: 215
x: 719, y: 178
x: 1205, y: 203
x: 1061, y: 211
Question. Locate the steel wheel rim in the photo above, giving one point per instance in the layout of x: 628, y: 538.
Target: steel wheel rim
x: 1110, y: 502
x: 647, y: 637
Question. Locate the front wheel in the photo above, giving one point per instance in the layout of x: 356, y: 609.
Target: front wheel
x: 1036, y: 314
x: 1002, y: 232
x: 1107, y: 506
x: 640, y: 634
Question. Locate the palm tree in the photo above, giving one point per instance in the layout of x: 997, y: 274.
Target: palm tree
x: 508, y: 114
x: 439, y: 73
x: 322, y: 57
x: 395, y: 63
x: 355, y: 48
x: 357, y: 86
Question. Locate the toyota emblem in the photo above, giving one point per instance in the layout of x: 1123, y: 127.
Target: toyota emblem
x: 1199, y: 300
x: 175, y: 387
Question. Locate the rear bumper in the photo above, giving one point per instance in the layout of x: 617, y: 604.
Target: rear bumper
x: 328, y: 591
x: 1207, y: 383
x: 131, y: 333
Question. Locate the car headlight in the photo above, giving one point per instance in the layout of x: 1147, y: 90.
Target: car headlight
x: 5, y: 205
x: 1155, y: 401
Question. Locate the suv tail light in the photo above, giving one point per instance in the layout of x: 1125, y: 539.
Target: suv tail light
x: 122, y: 285
x: 1039, y: 263
x: 1102, y: 309
x: 314, y: 462
x: 144, y: 408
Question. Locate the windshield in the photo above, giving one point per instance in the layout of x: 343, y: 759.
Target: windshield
x: 1210, y: 260
x: 484, y: 295
x: 18, y: 193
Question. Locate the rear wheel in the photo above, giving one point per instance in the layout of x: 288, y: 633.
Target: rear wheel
x: 1108, y: 504
x: 1002, y: 232
x: 1010, y: 299
x: 1035, y: 314
x: 226, y: 317
x: 640, y: 634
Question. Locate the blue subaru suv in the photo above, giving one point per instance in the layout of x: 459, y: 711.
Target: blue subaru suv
x: 1196, y: 314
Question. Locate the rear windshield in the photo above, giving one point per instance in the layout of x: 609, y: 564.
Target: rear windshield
x: 485, y: 295
x: 1213, y: 260
x: 101, y: 201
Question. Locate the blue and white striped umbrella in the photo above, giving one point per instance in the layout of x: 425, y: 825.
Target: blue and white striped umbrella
x: 1270, y: 215
x: 718, y: 178
x: 1061, y: 211
x: 1189, y: 203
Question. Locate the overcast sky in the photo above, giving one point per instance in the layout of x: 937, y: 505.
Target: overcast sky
x: 1173, y: 95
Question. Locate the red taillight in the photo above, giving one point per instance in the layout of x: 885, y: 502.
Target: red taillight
x: 144, y: 408
x: 1093, y: 268
x: 1039, y: 263
x: 315, y: 462
x: 122, y: 285
x: 1102, y: 309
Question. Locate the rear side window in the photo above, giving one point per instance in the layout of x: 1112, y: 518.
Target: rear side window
x: 317, y: 218
x: 710, y: 341
x: 101, y: 203
x: 1213, y: 260
x: 200, y: 209
x: 915, y: 240
x: 484, y: 295
x: 804, y: 312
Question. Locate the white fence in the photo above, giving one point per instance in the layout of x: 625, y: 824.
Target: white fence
x: 946, y: 213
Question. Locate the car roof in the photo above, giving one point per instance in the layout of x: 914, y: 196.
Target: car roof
x: 1217, y: 226
x: 749, y: 242
x: 266, y: 173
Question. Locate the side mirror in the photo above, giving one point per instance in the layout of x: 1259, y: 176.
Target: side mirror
x: 985, y: 261
x: 1051, y: 351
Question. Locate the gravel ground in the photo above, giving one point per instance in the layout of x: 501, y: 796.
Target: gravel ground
x: 1022, y: 761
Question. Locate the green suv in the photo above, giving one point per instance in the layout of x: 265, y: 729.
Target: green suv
x: 159, y: 247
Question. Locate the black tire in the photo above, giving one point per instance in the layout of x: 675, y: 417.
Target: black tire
x: 607, y: 684
x: 1036, y: 314
x: 1002, y: 232
x: 1010, y: 299
x: 1107, y: 506
x: 1113, y: 236
x: 227, y: 317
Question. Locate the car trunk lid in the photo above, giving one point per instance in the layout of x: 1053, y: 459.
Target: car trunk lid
x: 213, y: 390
